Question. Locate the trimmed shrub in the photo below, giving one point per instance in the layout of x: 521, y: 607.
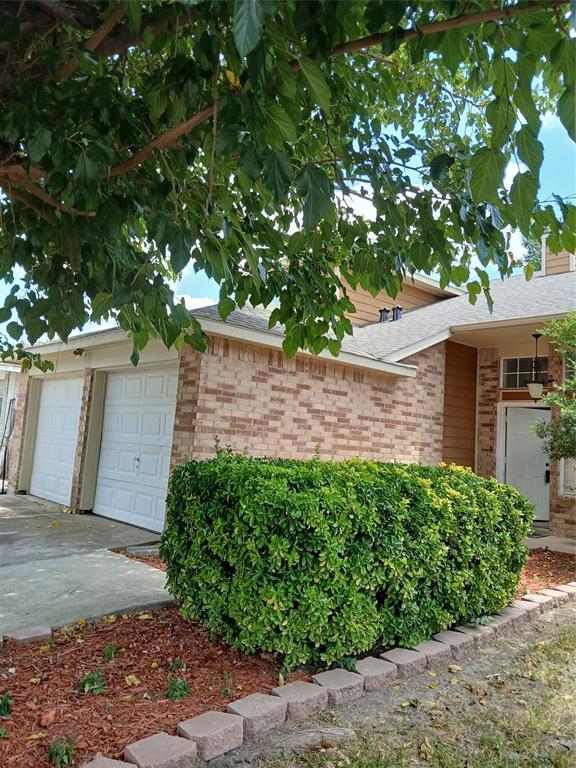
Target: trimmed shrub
x: 318, y: 560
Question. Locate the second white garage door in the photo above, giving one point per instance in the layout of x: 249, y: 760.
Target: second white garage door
x: 56, y: 437
x: 136, y: 444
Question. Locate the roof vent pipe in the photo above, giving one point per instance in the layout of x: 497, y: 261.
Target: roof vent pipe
x: 384, y: 314
x: 396, y: 312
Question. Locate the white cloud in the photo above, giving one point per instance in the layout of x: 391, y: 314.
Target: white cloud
x: 194, y: 302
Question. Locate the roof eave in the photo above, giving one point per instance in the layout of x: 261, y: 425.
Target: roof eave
x: 267, y: 339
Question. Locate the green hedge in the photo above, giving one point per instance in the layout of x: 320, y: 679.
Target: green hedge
x: 320, y: 560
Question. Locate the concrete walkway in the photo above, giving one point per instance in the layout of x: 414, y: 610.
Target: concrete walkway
x: 553, y: 543
x: 56, y: 568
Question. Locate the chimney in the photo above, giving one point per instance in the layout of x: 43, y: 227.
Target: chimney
x: 396, y: 312
x: 384, y: 314
x: 556, y: 263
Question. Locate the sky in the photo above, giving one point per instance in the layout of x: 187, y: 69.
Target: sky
x: 557, y: 176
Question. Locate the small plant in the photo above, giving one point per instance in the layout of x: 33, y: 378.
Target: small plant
x: 178, y: 689
x: 93, y: 683
x: 347, y: 662
x: 109, y: 652
x: 228, y: 689
x: 5, y: 704
x: 3, y: 733
x: 61, y: 752
x: 176, y: 664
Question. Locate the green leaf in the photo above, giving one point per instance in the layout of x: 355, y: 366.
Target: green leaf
x: 277, y: 172
x: 39, y: 144
x: 523, y: 100
x: 567, y: 111
x: 133, y: 10
x: 87, y: 173
x: 180, y: 250
x: 248, y: 25
x: 286, y: 79
x: 282, y: 121
x: 439, y: 165
x: 530, y: 150
x: 316, y: 188
x: 101, y: 304
x: 315, y: 79
x: 290, y: 346
x: 15, y: 330
x: 487, y: 170
x: 523, y: 197
x: 226, y: 306
x: 502, y: 118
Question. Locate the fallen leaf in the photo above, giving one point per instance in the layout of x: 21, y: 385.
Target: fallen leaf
x: 454, y: 681
x: 431, y: 673
x: 55, y: 522
x: 432, y: 685
x: 12, y: 670
x: 36, y: 736
x: 132, y: 680
x: 410, y: 703
x: 110, y: 619
x: 144, y: 616
x: 454, y: 668
x: 47, y: 718
x: 426, y: 750
x: 44, y: 649
x: 81, y: 622
x: 154, y: 664
x: 35, y: 680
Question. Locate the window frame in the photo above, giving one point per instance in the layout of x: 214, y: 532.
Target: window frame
x: 518, y: 357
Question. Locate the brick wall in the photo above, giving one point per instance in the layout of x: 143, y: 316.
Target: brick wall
x: 255, y: 399
x: 562, y: 508
x: 83, y: 426
x: 21, y: 399
x: 488, y: 396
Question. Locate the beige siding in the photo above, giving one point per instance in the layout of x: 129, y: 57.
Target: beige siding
x: 368, y: 307
x: 460, y: 405
x: 557, y: 263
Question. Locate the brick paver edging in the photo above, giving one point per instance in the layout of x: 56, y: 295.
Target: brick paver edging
x: 213, y: 733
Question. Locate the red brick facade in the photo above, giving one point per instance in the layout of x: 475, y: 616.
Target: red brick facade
x: 255, y: 399
x: 21, y: 399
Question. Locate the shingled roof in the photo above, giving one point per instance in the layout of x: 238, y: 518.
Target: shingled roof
x: 514, y: 299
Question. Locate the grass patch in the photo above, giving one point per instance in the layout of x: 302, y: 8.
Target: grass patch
x: 521, y: 719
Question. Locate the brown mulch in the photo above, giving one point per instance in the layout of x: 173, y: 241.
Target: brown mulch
x: 546, y: 569
x: 48, y: 703
x: 153, y: 560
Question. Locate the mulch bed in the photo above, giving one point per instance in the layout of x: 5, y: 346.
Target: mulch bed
x: 545, y: 569
x: 150, y: 649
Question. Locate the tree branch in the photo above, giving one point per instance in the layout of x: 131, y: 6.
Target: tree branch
x: 92, y: 43
x: 23, y: 180
x: 464, y: 20
x: 169, y: 137
x: 13, y: 194
x: 166, y: 139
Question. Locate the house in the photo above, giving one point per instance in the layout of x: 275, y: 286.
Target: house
x: 443, y: 381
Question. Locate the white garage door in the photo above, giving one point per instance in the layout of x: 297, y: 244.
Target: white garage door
x: 56, y: 437
x: 136, y: 445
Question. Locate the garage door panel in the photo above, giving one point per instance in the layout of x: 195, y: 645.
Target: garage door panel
x: 56, y: 438
x: 136, y: 445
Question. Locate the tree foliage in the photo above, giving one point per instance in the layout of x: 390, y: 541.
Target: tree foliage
x: 533, y: 254
x: 559, y: 435
x: 237, y: 136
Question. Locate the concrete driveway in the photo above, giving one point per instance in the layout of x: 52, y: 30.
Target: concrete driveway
x: 56, y: 568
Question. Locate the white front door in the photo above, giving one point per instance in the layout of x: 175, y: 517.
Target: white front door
x: 136, y: 445
x: 56, y: 438
x: 526, y: 466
